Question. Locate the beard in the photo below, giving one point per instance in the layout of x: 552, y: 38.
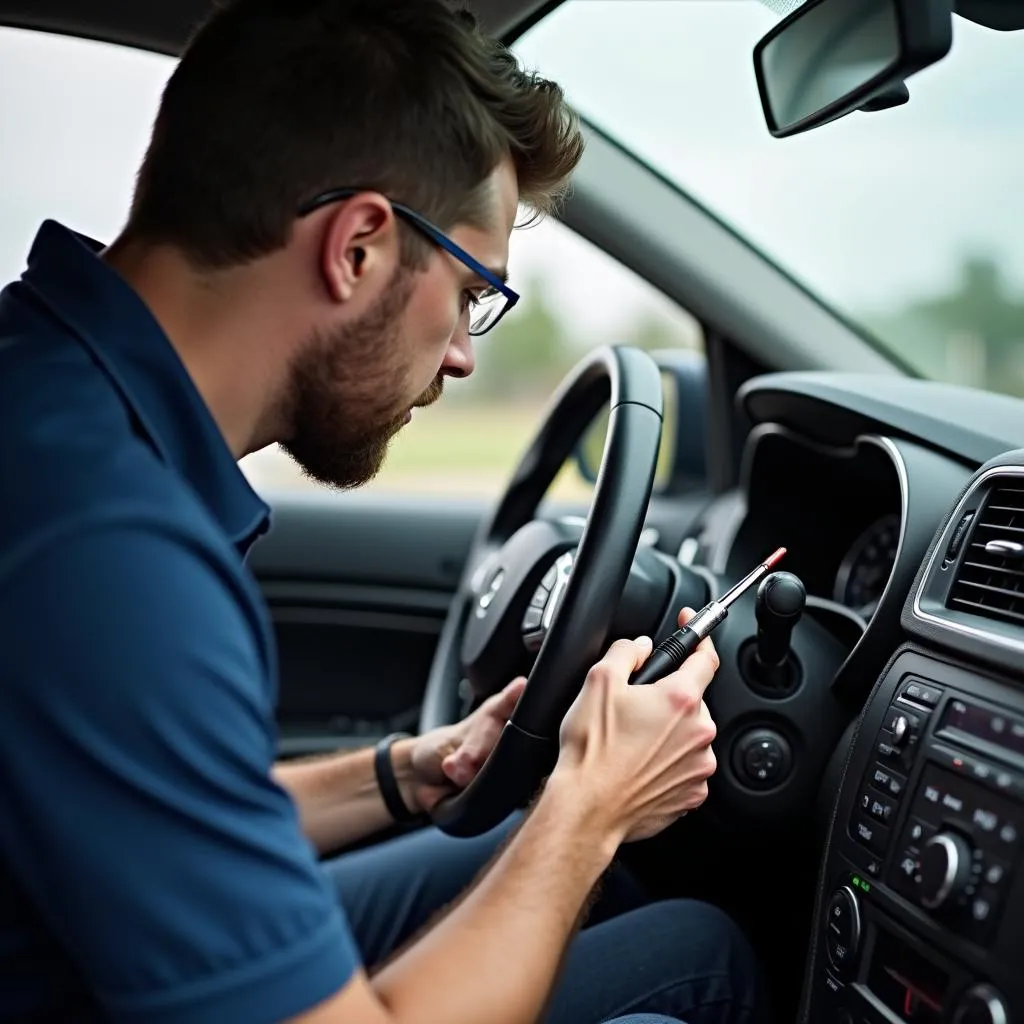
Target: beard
x: 345, y: 398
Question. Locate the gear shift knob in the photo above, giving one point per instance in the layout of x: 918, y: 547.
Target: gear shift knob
x: 780, y: 603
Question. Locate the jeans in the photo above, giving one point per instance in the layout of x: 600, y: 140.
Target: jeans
x: 681, y: 959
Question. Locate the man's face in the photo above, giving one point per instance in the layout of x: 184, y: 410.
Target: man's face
x: 353, y: 387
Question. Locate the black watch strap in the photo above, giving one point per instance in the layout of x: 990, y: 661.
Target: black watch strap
x: 385, y: 771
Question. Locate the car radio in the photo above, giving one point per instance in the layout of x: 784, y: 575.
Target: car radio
x: 960, y: 835
x: 922, y: 919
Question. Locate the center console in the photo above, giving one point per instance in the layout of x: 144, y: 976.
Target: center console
x: 921, y: 912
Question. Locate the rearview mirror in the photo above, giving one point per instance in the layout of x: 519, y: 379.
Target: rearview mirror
x: 831, y: 57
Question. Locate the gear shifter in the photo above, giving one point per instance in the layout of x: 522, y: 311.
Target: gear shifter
x: 780, y: 603
x: 767, y: 662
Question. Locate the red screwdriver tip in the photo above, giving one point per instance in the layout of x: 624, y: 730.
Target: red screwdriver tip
x: 774, y: 558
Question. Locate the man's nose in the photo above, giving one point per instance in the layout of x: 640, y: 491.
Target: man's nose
x: 460, y: 359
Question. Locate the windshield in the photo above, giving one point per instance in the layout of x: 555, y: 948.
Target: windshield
x: 909, y: 222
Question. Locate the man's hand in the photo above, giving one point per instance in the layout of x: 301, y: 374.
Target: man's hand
x: 447, y: 759
x: 641, y: 755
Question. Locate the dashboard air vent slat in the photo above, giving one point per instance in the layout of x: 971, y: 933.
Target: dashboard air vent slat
x: 990, y: 580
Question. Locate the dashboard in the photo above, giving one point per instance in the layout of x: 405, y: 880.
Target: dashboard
x: 866, y: 566
x: 837, y: 509
x: 908, y: 528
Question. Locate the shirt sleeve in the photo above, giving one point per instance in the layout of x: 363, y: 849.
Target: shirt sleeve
x: 138, y: 812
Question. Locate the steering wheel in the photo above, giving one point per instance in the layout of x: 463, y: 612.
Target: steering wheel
x: 526, y: 581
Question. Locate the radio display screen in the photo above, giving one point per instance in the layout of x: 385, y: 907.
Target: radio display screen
x: 912, y: 987
x: 1004, y: 731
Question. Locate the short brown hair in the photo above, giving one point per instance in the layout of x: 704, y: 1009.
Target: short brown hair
x: 275, y: 101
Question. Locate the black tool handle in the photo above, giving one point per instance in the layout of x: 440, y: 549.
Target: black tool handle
x: 666, y: 657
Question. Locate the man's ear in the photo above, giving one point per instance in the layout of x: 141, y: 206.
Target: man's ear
x: 360, y: 245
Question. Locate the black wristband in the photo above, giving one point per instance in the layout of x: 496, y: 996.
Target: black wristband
x: 385, y: 771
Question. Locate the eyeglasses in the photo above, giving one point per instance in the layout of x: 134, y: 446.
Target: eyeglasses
x: 486, y: 307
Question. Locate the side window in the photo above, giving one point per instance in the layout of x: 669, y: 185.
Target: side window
x: 75, y: 118
x: 574, y: 298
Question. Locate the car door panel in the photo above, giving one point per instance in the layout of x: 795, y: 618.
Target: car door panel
x: 358, y: 588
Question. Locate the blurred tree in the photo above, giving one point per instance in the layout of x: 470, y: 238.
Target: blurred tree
x: 652, y: 332
x: 528, y: 353
x: 974, y: 334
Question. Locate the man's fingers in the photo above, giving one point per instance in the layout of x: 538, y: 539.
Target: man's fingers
x: 695, y: 674
x: 623, y: 658
x: 509, y: 697
x: 502, y: 704
x: 685, y: 615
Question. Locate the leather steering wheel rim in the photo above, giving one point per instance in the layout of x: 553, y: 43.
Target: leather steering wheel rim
x: 630, y: 381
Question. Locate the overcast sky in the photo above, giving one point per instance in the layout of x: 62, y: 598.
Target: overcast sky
x: 868, y: 210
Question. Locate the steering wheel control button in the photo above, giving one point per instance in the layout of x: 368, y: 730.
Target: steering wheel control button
x: 842, y: 931
x: 762, y: 758
x: 546, y: 601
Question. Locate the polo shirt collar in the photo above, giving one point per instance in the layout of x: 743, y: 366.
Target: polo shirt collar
x: 110, y: 319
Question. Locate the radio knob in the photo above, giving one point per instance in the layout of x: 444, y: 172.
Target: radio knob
x: 900, y: 731
x: 981, y: 1005
x: 945, y: 870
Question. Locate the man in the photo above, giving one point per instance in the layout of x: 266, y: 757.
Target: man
x: 280, y: 278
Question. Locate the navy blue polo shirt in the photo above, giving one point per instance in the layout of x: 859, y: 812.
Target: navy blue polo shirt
x: 150, y: 869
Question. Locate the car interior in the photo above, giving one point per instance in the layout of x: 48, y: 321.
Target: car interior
x: 864, y: 823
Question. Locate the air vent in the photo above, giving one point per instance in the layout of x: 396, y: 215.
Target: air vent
x: 990, y: 580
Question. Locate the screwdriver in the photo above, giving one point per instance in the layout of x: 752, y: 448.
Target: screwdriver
x: 675, y: 649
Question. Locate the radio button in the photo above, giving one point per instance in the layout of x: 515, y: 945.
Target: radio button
x: 1003, y: 781
x: 982, y: 915
x: 886, y: 781
x: 994, y: 872
x: 878, y: 807
x: 953, y: 803
x: 907, y: 870
x: 891, y: 752
x: 987, y: 821
x: 875, y: 837
x: 886, y: 750
x: 919, y: 832
x: 922, y: 693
